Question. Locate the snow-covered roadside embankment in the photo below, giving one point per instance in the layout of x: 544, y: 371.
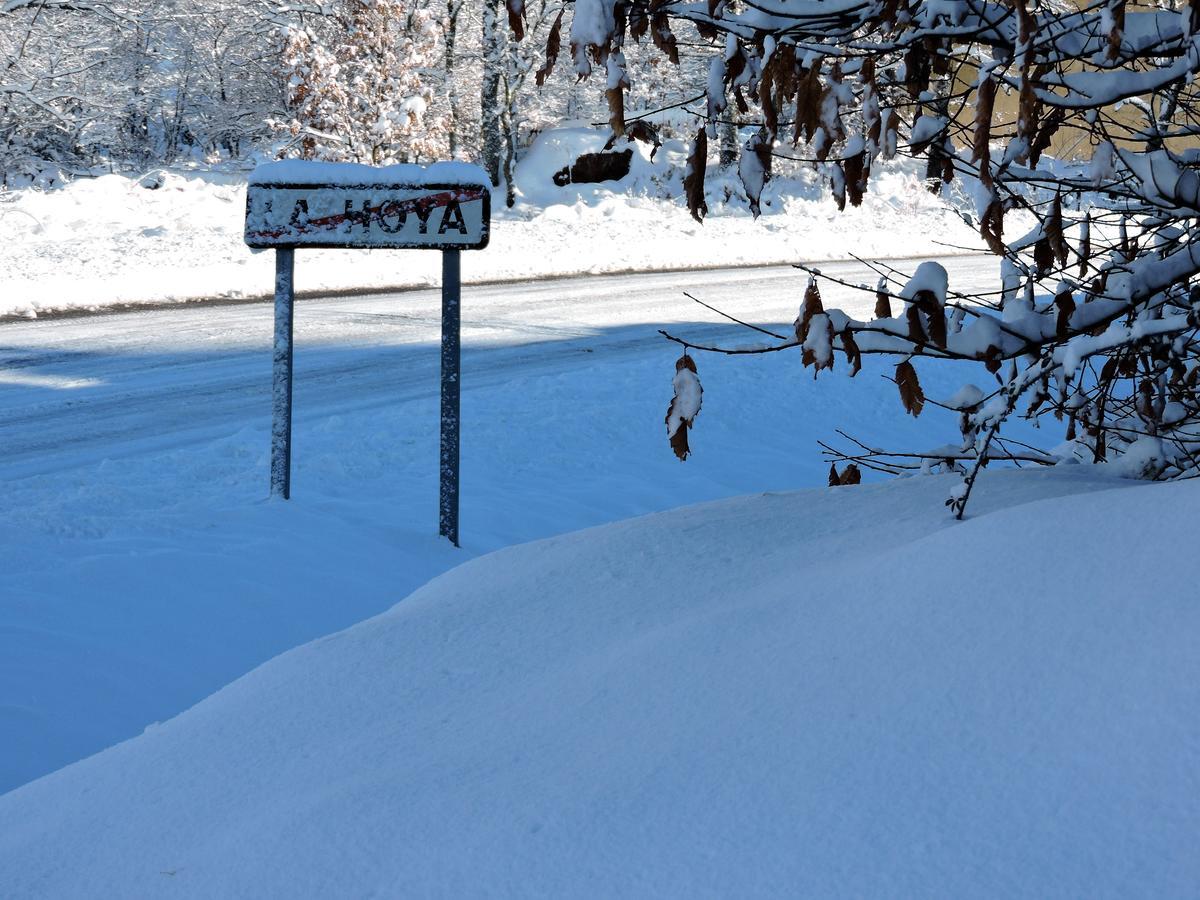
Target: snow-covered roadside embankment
x: 830, y: 692
x: 113, y: 240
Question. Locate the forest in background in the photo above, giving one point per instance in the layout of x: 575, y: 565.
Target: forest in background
x: 122, y: 85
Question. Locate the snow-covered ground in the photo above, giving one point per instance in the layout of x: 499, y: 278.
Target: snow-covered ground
x: 837, y: 692
x: 830, y: 691
x: 142, y: 568
x: 115, y: 240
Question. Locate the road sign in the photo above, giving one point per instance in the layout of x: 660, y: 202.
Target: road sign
x: 368, y: 216
x: 301, y: 204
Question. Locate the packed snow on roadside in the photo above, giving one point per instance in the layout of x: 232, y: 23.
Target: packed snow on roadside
x: 833, y: 692
x: 115, y: 240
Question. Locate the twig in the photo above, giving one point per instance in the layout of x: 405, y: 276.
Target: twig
x: 732, y: 318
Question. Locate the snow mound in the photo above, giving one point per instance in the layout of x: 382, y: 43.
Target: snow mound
x: 833, y: 692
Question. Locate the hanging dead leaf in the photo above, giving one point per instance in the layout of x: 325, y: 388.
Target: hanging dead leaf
x: 684, y: 406
x: 933, y: 316
x: 639, y: 23
x: 911, y: 394
x: 981, y: 152
x: 853, y: 354
x: 1029, y: 110
x: 992, y: 360
x: 916, y: 328
x: 1064, y: 302
x: 1043, y: 256
x: 1107, y: 373
x: 809, y: 92
x: 855, y: 170
x: 851, y: 475
x: 693, y: 179
x: 660, y: 32
x: 1085, y: 242
x: 837, y: 186
x: 812, y: 306
x: 916, y: 69
x: 1053, y: 229
x: 883, y: 305
x: 1045, y: 134
x: 834, y: 478
x: 553, y: 45
x: 991, y: 226
x: 516, y: 17
x: 766, y: 86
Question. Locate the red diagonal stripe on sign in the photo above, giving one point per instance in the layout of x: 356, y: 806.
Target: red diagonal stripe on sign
x: 424, y: 205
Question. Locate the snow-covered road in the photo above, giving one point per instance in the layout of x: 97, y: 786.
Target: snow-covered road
x: 142, y: 567
x: 84, y: 389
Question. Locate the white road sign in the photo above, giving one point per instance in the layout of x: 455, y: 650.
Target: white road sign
x: 394, y: 216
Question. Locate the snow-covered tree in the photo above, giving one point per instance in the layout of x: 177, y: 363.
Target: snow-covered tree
x: 358, y: 85
x: 132, y: 82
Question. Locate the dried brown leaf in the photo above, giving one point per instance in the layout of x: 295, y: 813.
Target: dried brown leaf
x: 991, y: 226
x: 916, y: 328
x: 516, y: 18
x: 1043, y: 256
x: 934, y: 317
x: 679, y: 440
x: 553, y: 45
x: 916, y: 69
x: 853, y: 354
x: 1045, y: 134
x: 1085, y: 243
x: 808, y: 103
x: 992, y: 360
x: 1107, y: 373
x: 812, y: 306
x: 856, y: 172
x: 837, y: 187
x: 693, y: 181
x: 911, y: 394
x: 1053, y: 229
x: 981, y: 153
x: 1065, y: 303
x: 639, y: 23
x: 883, y: 304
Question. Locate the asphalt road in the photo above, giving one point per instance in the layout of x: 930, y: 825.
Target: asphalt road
x: 79, y: 389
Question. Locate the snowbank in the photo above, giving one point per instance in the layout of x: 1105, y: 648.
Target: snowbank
x: 833, y: 692
x: 113, y: 240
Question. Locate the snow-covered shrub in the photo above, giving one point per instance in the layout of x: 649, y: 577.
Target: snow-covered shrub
x: 358, y: 85
x: 1096, y: 324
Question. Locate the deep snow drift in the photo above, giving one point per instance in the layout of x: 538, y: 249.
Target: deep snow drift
x: 830, y: 692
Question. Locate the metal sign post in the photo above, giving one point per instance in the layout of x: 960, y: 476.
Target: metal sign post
x: 281, y: 370
x: 451, y: 358
x: 444, y: 207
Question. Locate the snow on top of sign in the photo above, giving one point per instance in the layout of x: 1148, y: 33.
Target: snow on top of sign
x: 306, y: 171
